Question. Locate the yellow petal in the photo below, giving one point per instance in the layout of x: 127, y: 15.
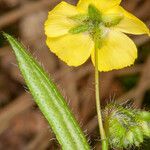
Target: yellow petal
x: 106, y: 4
x: 100, y: 4
x: 130, y: 23
x: 83, y: 5
x: 117, y: 51
x: 74, y: 49
x: 58, y: 22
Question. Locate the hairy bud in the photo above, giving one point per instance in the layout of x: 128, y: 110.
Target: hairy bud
x: 125, y: 127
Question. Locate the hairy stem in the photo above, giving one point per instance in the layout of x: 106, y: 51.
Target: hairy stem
x: 98, y: 105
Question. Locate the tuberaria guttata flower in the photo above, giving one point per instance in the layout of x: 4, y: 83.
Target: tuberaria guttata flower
x: 71, y: 32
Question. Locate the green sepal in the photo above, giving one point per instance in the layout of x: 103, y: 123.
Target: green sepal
x: 94, y: 13
x: 116, y: 138
x: 138, y: 135
x: 79, y: 29
x: 145, y: 128
x: 50, y: 101
x: 112, y: 19
x: 129, y: 138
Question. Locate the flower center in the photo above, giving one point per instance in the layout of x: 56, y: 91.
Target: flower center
x: 94, y: 22
x: 87, y: 22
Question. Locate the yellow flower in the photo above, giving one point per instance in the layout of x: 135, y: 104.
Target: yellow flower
x: 73, y: 30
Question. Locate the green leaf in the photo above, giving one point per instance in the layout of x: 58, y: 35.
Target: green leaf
x: 49, y: 100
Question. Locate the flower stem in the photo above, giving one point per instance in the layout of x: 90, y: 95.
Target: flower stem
x: 98, y: 105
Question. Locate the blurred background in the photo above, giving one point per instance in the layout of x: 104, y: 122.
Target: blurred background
x: 22, y: 126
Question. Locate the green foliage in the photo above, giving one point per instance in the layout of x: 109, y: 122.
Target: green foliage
x: 49, y: 100
x: 126, y: 127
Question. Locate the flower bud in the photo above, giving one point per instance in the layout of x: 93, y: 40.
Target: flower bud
x: 125, y: 127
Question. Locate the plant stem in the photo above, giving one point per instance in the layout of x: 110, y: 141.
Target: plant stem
x: 98, y: 105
